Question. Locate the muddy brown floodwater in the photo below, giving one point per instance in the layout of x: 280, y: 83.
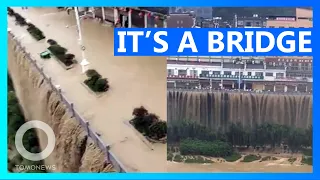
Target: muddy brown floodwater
x: 276, y: 166
x: 134, y: 81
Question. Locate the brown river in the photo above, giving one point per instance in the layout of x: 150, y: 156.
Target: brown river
x: 237, y: 167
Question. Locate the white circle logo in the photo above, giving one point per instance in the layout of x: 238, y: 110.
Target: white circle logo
x: 35, y: 156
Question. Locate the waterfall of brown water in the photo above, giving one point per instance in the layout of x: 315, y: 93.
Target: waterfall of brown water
x: 74, y: 150
x: 218, y: 109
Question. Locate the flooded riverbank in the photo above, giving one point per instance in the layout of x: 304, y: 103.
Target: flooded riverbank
x: 282, y: 164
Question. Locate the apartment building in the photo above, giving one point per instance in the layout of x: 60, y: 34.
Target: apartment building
x: 277, y: 74
x: 139, y: 17
x: 302, y: 19
x: 251, y: 22
x: 203, y: 12
x: 180, y: 20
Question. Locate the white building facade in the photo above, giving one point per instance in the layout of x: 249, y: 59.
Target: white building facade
x: 221, y: 72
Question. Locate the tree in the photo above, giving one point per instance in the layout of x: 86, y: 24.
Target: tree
x: 15, y: 121
x: 265, y: 134
x: 309, y: 134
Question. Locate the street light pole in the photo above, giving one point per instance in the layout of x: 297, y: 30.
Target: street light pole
x: 84, y: 63
x: 79, y: 30
x: 239, y: 61
x: 239, y: 83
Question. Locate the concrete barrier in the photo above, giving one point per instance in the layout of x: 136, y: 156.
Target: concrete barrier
x: 110, y: 157
x: 239, y: 91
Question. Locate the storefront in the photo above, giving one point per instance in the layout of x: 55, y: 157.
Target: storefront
x: 126, y: 17
x: 258, y: 86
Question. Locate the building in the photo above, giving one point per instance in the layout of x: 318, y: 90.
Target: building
x: 293, y: 18
x: 203, y: 12
x: 199, y: 12
x: 180, y: 20
x: 302, y: 19
x: 121, y: 15
x: 215, y: 22
x: 242, y: 22
x: 227, y: 13
x: 206, y: 23
x: 160, y: 10
x: 276, y: 74
x: 250, y: 22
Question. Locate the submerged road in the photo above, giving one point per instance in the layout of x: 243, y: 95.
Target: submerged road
x: 134, y: 81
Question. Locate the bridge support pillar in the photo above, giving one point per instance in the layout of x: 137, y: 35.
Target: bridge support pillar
x: 103, y: 14
x: 165, y: 23
x: 115, y: 16
x: 221, y: 84
x: 130, y: 18
x: 146, y: 20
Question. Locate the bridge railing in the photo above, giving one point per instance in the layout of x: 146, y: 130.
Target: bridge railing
x: 238, y: 91
x: 110, y: 157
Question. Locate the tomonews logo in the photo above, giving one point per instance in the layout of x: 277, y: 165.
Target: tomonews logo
x: 35, y: 156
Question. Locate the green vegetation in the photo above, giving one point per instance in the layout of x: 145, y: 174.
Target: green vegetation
x: 233, y: 157
x: 307, y: 160
x: 196, y: 139
x: 32, y: 29
x: 19, y: 19
x: 259, y: 136
x: 251, y: 158
x: 15, y: 116
x: 15, y: 121
x: 56, y: 49
x: 51, y: 42
x: 95, y: 82
x: 268, y: 158
x: 10, y: 11
x: 178, y: 158
x: 91, y: 73
x: 158, y: 130
x: 169, y: 156
x: 292, y: 159
x: 10, y: 84
x: 35, y: 32
x: 205, y: 148
x: 307, y: 151
x: 60, y: 53
x: 11, y: 165
x: 149, y: 124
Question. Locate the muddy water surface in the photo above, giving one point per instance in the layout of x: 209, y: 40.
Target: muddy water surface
x: 238, y: 167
